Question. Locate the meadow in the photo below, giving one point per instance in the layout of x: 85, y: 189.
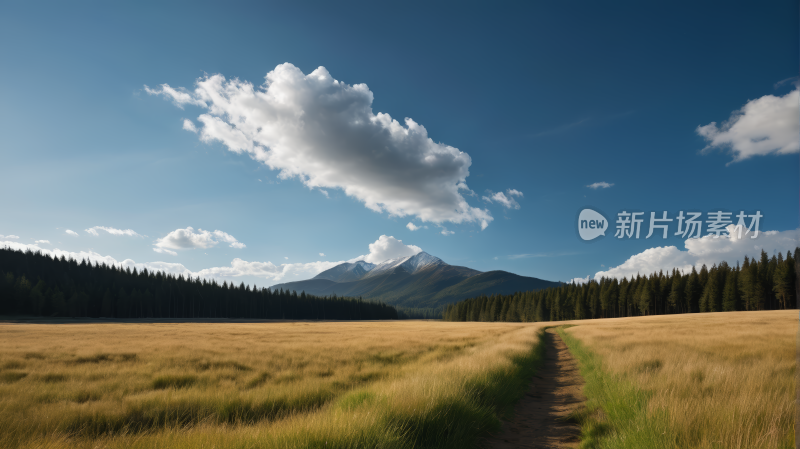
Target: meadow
x: 218, y: 385
x: 718, y: 380
x: 713, y: 380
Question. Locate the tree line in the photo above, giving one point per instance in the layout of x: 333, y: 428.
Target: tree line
x: 419, y: 313
x: 40, y: 285
x: 763, y: 284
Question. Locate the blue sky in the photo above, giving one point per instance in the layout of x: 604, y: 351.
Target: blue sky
x: 544, y: 99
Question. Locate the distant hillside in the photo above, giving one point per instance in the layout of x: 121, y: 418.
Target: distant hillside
x: 421, y: 280
x: 491, y: 282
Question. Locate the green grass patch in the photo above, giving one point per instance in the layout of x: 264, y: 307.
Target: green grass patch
x: 616, y: 414
x: 354, y: 399
x: 459, y: 422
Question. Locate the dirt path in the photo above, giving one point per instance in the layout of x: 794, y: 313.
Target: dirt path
x: 555, y: 392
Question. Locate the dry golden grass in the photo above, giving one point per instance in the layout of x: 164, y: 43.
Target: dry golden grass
x: 338, y: 384
x: 714, y: 380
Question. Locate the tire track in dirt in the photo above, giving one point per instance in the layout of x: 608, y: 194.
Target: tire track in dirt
x: 555, y: 392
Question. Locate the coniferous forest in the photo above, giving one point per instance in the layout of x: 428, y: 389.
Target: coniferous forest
x: 758, y: 284
x: 39, y: 285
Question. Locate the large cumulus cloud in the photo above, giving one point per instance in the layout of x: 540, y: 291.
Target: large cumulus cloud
x: 766, y: 125
x: 324, y: 132
x: 387, y: 247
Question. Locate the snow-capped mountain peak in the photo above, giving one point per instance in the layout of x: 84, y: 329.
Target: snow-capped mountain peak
x: 365, y: 265
x: 421, y: 260
x: 347, y: 271
x: 412, y: 264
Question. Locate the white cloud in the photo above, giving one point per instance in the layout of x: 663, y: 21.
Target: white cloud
x: 321, y: 254
x: 766, y: 125
x: 178, y: 96
x: 382, y: 249
x: 600, y: 185
x: 324, y: 132
x: 189, y: 126
x: 270, y: 272
x: 267, y: 270
x: 38, y: 242
x: 506, y: 201
x: 188, y: 239
x: 579, y: 281
x: 705, y: 250
x: 112, y: 231
x: 412, y: 227
x: 13, y: 237
x: 286, y: 258
x: 792, y: 80
x: 446, y: 232
x: 71, y: 232
x: 165, y: 251
x: 385, y: 248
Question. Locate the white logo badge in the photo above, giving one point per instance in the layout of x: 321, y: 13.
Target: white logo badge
x: 591, y: 224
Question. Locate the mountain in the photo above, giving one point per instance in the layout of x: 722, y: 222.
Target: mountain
x: 421, y: 280
x: 346, y: 271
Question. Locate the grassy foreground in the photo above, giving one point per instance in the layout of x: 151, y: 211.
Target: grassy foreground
x: 720, y: 380
x: 265, y: 385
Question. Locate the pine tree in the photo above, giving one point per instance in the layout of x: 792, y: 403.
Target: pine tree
x: 59, y: 303
x: 711, y: 299
x: 645, y: 296
x: 757, y: 287
x: 541, y: 313
x: 108, y: 304
x: 624, y: 288
x: 782, y: 283
x: 730, y: 295
x: 37, y: 298
x: 692, y: 292
x: 675, y: 300
x: 594, y: 299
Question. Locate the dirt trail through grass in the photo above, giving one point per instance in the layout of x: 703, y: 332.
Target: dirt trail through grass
x: 541, y: 417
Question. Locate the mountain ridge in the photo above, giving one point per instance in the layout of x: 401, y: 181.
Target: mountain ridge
x: 420, y: 280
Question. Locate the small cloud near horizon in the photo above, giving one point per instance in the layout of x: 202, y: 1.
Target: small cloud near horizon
x: 600, y: 185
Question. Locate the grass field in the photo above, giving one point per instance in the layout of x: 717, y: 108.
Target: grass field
x: 218, y: 385
x: 724, y: 380
x: 717, y: 380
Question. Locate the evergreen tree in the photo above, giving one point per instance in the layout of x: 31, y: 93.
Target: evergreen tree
x: 580, y: 306
x: 730, y: 296
x: 108, y: 301
x: 675, y: 300
x: 782, y: 282
x: 692, y: 292
x: 711, y: 300
x: 645, y: 294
